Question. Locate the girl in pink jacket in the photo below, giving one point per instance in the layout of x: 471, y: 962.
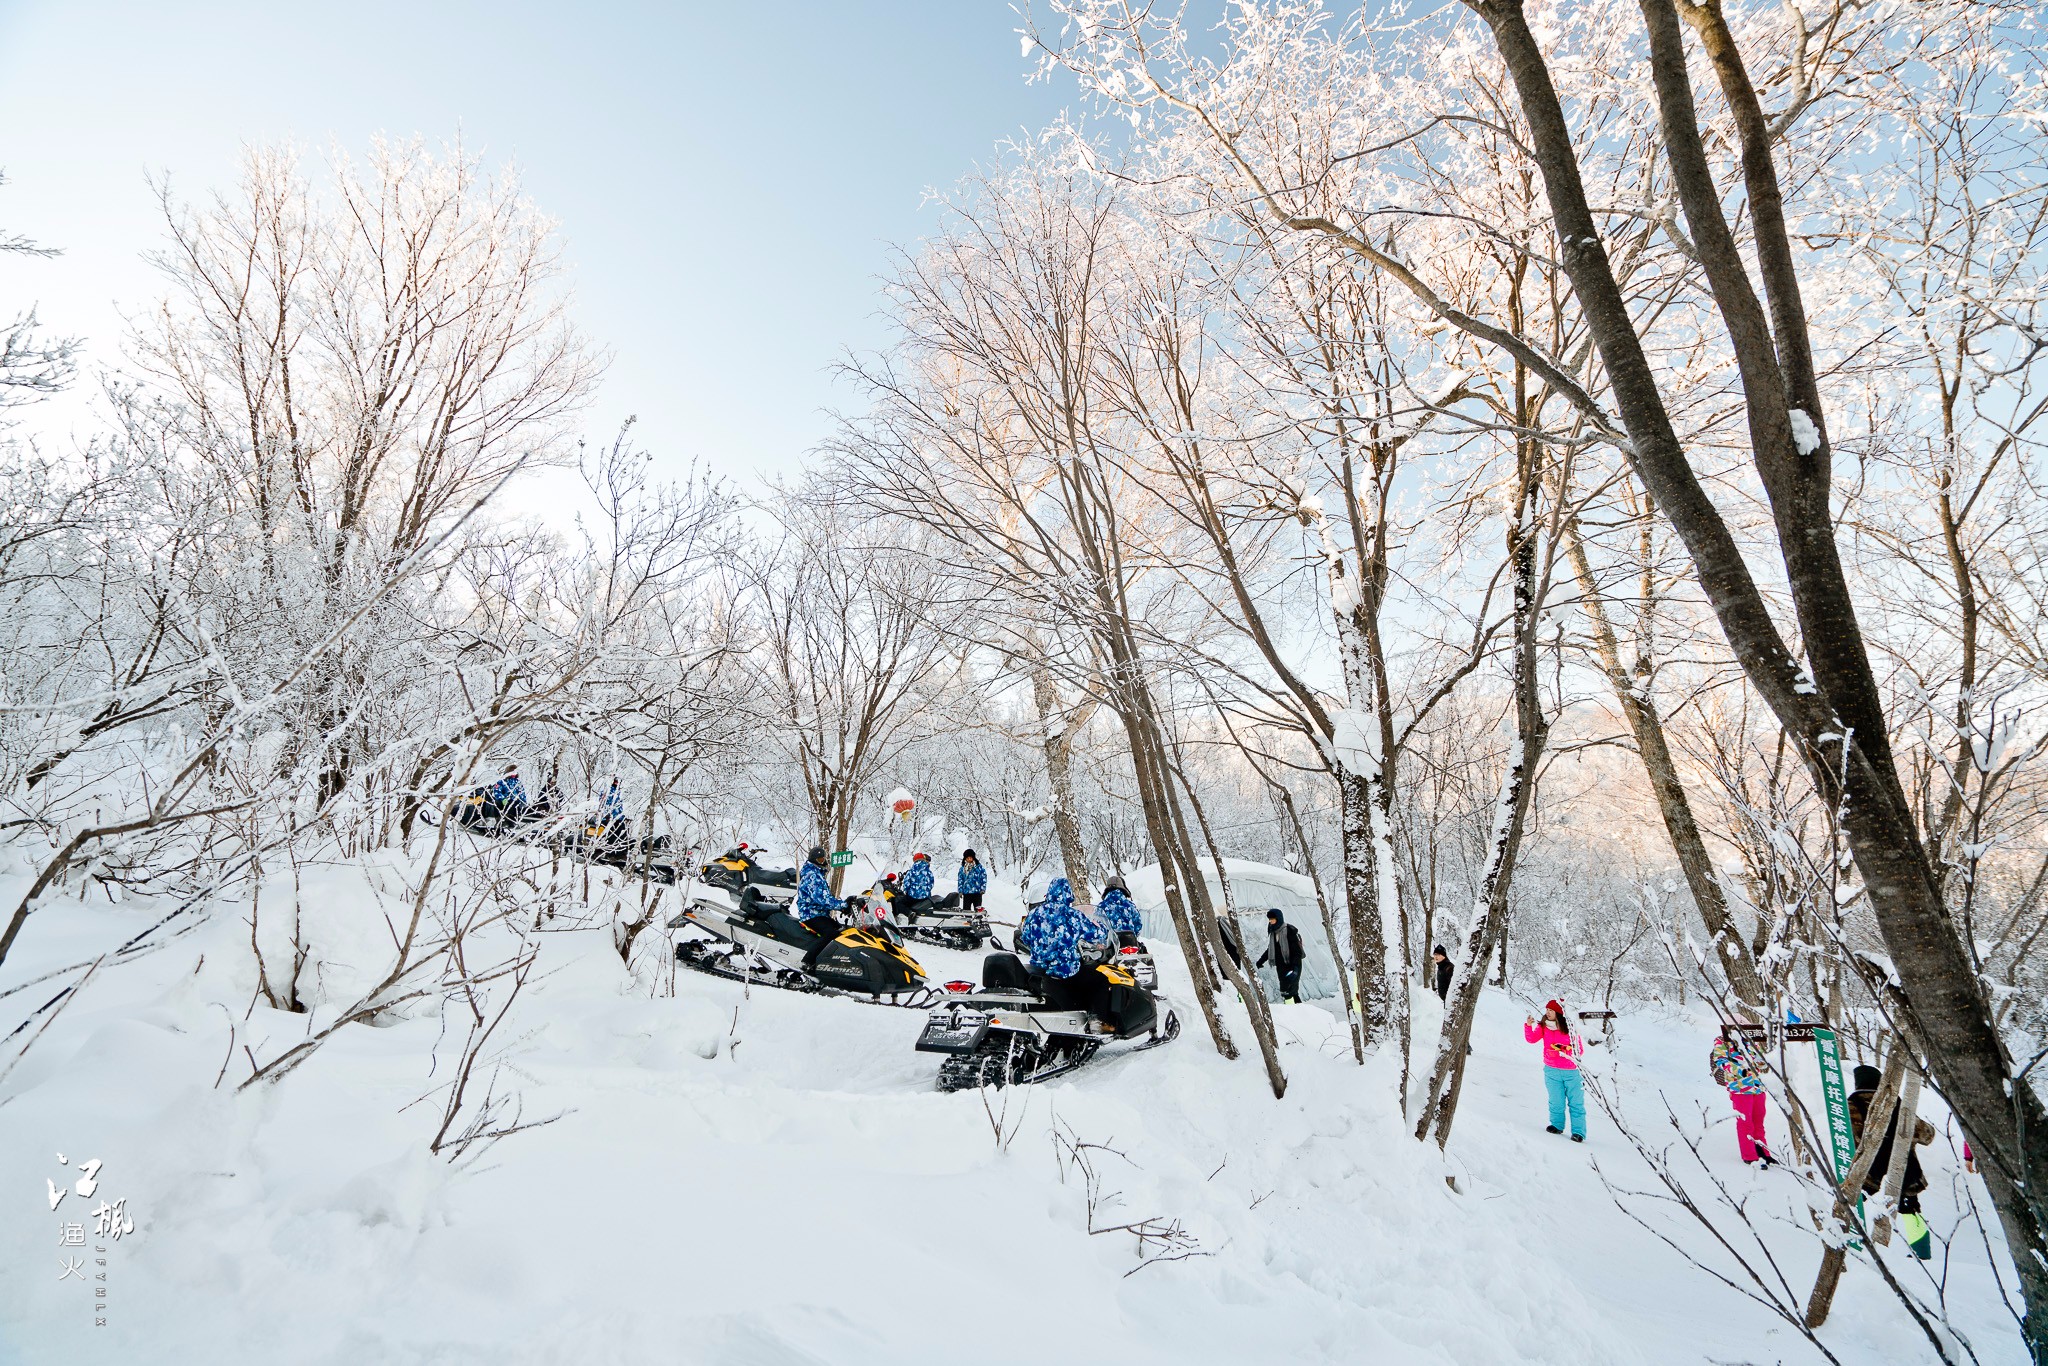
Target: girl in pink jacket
x: 1561, y: 1052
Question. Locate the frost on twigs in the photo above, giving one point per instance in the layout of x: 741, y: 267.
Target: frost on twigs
x: 1158, y: 1238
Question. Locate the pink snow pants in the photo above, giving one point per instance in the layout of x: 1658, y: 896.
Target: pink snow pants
x: 1749, y: 1125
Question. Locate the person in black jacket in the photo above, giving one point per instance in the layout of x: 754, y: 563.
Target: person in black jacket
x: 1283, y: 949
x: 1443, y: 973
x: 1911, y: 1223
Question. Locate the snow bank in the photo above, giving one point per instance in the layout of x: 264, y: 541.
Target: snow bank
x: 769, y: 1178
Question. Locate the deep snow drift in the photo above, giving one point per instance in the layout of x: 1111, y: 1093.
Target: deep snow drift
x: 769, y: 1178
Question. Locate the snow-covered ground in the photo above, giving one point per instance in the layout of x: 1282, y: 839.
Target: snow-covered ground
x: 770, y: 1179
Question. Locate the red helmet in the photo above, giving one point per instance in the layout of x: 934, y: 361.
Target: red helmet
x: 927, y: 858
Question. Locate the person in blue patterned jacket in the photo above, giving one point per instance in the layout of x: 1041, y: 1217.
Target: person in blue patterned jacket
x: 1054, y: 930
x: 814, y: 900
x: 917, y: 880
x: 1118, y: 913
x: 508, y: 794
x: 972, y: 881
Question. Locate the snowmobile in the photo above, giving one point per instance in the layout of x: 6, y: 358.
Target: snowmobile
x: 478, y: 812
x: 736, y: 869
x: 1022, y: 1027
x: 755, y: 939
x: 586, y: 836
x: 940, y: 920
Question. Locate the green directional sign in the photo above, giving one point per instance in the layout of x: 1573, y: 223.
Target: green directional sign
x: 1837, y: 1100
x: 845, y: 856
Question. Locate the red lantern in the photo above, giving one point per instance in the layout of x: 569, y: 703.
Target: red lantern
x: 903, y: 806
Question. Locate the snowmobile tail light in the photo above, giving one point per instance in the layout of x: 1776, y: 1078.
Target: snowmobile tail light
x: 959, y: 988
x: 1128, y: 948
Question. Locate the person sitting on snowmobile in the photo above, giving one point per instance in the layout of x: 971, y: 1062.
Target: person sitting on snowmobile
x: 1118, y: 913
x: 613, y: 829
x: 917, y: 879
x: 508, y: 794
x: 814, y: 900
x: 549, y: 799
x: 1052, y: 934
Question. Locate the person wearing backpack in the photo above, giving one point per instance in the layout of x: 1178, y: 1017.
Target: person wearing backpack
x: 1733, y: 1067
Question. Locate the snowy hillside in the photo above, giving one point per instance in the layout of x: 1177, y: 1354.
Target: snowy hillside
x: 766, y: 1178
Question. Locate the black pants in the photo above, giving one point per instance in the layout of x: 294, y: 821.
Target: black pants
x: 971, y: 901
x: 827, y: 929
x: 1290, y: 986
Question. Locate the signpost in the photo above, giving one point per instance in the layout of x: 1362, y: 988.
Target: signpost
x: 843, y: 858
x: 1837, y: 1098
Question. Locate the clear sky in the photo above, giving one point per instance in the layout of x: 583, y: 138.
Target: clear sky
x: 728, y: 177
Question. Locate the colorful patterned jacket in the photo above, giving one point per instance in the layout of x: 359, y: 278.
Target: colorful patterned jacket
x: 1733, y: 1068
x: 1119, y: 912
x: 814, y: 894
x: 1054, y: 930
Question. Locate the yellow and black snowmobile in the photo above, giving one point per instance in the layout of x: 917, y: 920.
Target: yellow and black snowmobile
x: 940, y: 920
x: 1023, y: 1027
x: 739, y: 868
x: 753, y: 938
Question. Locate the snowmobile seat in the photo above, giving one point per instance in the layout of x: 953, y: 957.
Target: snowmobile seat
x: 754, y: 906
x: 780, y: 877
x: 926, y: 905
x: 788, y: 929
x: 1005, y: 972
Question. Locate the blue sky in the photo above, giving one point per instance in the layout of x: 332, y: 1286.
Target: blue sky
x: 728, y: 178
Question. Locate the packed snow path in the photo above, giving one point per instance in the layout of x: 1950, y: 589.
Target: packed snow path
x: 770, y: 1179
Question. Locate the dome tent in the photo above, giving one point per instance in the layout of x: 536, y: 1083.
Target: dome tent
x: 1254, y: 888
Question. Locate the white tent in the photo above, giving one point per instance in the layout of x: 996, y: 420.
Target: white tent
x: 1254, y: 889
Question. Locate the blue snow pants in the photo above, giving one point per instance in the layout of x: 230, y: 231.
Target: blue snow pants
x: 1567, y: 1091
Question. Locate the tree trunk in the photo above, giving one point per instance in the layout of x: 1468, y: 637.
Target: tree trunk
x: 1835, y: 714
x: 1254, y: 999
x: 1486, y: 930
x: 1361, y: 899
x: 1172, y: 872
x: 1655, y: 752
x: 1056, y: 731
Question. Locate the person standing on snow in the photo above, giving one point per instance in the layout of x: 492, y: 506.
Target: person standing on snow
x: 814, y: 900
x: 1561, y: 1079
x: 1118, y: 913
x: 611, y: 812
x: 917, y: 879
x: 971, y: 881
x: 1443, y: 973
x: 1052, y: 933
x: 1910, y: 1221
x: 1733, y: 1067
x: 1283, y: 949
